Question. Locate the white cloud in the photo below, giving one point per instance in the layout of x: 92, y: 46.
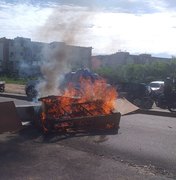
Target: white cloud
x: 21, y: 19
x: 106, y: 32
x: 150, y: 33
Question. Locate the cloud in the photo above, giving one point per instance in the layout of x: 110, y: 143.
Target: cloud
x: 123, y: 6
x: 169, y: 4
x: 21, y: 19
x: 129, y: 25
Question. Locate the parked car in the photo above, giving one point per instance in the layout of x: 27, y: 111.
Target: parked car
x: 31, y: 89
x: 71, y: 77
x: 157, y: 86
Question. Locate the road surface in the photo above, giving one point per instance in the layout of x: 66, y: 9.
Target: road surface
x: 144, y: 140
x: 145, y: 148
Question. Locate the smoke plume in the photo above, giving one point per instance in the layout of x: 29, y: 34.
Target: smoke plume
x: 68, y: 28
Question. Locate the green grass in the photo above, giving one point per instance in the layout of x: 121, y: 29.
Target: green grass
x: 12, y: 80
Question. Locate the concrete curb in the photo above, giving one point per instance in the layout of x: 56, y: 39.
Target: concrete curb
x: 155, y: 112
x: 13, y: 95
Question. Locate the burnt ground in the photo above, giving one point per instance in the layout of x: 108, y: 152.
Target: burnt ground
x: 31, y: 155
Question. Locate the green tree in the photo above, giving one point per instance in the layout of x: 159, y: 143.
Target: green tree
x: 157, y: 70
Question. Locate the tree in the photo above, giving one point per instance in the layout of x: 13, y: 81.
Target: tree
x: 157, y: 70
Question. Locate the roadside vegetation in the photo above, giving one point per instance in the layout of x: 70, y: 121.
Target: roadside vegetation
x: 139, y: 73
x: 13, y: 80
x: 144, y: 73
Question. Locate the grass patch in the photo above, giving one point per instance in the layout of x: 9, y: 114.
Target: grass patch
x: 21, y: 81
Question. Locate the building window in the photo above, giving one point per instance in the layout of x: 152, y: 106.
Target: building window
x: 12, y: 54
x: 11, y: 43
x: 52, y: 46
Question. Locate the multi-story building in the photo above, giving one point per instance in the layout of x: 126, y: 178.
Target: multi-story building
x: 4, y: 54
x: 123, y: 58
x: 25, y: 57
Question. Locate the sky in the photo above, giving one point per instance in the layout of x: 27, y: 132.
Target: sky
x: 108, y: 26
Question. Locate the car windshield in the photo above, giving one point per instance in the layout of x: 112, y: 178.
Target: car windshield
x: 155, y: 85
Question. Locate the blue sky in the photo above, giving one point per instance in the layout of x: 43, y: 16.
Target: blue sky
x: 136, y: 26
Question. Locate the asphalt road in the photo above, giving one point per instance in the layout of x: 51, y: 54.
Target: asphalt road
x: 23, y: 158
x: 143, y: 140
x: 145, y: 148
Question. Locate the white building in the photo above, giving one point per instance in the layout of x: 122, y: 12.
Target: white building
x: 24, y: 57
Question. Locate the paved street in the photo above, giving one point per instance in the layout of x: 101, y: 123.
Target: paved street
x: 142, y: 139
x: 145, y: 148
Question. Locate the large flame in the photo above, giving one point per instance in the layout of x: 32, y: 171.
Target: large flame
x: 96, y: 91
x: 91, y: 98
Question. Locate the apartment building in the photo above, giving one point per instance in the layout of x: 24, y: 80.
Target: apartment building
x: 123, y: 58
x: 23, y: 57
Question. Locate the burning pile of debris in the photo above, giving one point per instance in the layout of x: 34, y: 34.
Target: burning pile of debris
x: 90, y: 109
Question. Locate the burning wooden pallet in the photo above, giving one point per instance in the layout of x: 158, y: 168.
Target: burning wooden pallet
x: 62, y: 113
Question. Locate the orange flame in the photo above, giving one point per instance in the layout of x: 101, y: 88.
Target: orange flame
x: 93, y: 91
x: 91, y: 98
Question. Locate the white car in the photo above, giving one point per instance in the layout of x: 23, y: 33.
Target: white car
x: 2, y: 86
x: 157, y: 86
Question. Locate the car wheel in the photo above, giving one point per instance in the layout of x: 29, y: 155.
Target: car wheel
x: 172, y: 108
x: 31, y: 92
x: 137, y: 102
x: 147, y: 103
